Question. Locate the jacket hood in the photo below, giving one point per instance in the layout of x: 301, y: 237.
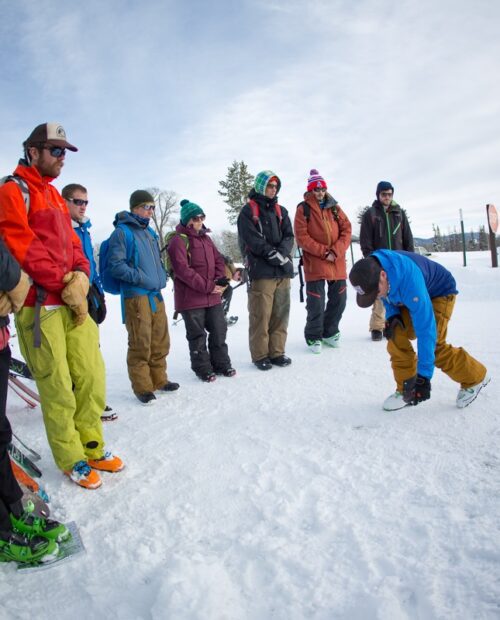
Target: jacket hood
x: 85, y: 223
x: 330, y: 200
x: 189, y: 230
x: 126, y: 217
x: 262, y: 200
x: 31, y: 174
x: 393, y: 206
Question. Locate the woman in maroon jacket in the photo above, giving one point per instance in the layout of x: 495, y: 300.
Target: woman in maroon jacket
x: 199, y: 281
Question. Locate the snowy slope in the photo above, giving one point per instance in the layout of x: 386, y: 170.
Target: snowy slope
x: 288, y: 494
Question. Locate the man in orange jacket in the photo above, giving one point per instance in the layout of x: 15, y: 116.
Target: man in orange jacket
x: 323, y: 232
x: 57, y: 337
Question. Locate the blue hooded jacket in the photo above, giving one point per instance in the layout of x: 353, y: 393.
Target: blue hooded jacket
x: 148, y: 277
x: 414, y: 281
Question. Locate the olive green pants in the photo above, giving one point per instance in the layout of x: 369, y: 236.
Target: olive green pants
x: 269, y: 309
x: 148, y: 344
x: 69, y: 372
x: 453, y: 361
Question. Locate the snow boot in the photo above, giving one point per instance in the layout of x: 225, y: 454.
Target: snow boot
x: 332, y: 341
x: 394, y: 402
x: 467, y: 395
x: 207, y: 377
x: 314, y: 346
x: 227, y: 372
x: 109, y: 462
x: 30, y: 525
x: 170, y: 386
x: 108, y: 415
x: 264, y: 364
x: 84, y: 476
x: 281, y: 360
x: 15, y: 547
x: 146, y: 397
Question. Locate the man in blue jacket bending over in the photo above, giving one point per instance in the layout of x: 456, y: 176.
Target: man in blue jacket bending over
x: 419, y: 296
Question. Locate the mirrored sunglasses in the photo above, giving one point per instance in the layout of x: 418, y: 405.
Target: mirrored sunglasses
x: 148, y: 207
x: 55, y: 151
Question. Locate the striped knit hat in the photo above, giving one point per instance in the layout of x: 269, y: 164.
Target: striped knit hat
x: 263, y: 178
x: 315, y: 180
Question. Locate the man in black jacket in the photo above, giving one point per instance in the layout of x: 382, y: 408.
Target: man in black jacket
x: 384, y: 226
x: 266, y: 240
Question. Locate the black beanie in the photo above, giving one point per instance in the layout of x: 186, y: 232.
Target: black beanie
x: 140, y: 197
x: 384, y: 186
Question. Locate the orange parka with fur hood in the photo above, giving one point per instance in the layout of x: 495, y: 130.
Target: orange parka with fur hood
x: 324, y: 230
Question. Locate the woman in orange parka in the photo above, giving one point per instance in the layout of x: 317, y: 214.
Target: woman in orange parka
x: 323, y: 232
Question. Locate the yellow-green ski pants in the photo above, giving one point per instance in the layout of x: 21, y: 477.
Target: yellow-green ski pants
x: 69, y: 372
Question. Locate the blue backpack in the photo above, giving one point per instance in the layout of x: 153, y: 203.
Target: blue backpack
x: 109, y: 283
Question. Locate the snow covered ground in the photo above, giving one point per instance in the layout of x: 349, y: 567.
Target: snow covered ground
x: 288, y: 494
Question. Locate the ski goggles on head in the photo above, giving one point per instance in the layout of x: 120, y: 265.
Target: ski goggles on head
x: 79, y: 202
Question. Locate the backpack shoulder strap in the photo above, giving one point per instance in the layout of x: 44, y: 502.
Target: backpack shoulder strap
x: 23, y: 188
x: 254, y: 207
x: 256, y: 212
x: 132, y: 252
x: 306, y: 210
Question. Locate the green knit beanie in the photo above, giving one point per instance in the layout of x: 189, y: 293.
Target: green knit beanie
x: 188, y: 210
x: 140, y: 197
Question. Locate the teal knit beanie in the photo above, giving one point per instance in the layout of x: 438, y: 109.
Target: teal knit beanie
x: 262, y: 179
x: 188, y: 210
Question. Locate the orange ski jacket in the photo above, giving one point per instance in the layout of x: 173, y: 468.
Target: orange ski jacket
x: 324, y: 230
x: 41, y: 239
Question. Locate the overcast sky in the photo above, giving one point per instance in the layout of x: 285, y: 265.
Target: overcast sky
x: 167, y: 94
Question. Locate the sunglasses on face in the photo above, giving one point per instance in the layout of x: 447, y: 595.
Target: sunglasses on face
x: 319, y: 189
x: 148, y: 207
x: 55, y: 151
x: 79, y: 202
x: 198, y: 218
x: 386, y: 194
x: 272, y: 185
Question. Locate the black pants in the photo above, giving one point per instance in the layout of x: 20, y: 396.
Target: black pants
x: 323, y: 322
x: 10, y: 491
x: 198, y: 322
x: 226, y: 297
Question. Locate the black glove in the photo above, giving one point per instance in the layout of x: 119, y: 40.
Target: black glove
x: 416, y: 389
x: 391, y: 324
x: 222, y: 281
x: 277, y: 259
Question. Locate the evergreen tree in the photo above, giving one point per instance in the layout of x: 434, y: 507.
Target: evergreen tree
x: 227, y: 244
x: 483, y: 238
x: 235, y: 189
x: 472, y: 243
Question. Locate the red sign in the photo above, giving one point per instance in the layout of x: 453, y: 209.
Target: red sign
x: 492, y: 217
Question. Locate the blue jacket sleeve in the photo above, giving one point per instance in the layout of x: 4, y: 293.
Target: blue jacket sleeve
x: 117, y: 260
x: 416, y: 298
